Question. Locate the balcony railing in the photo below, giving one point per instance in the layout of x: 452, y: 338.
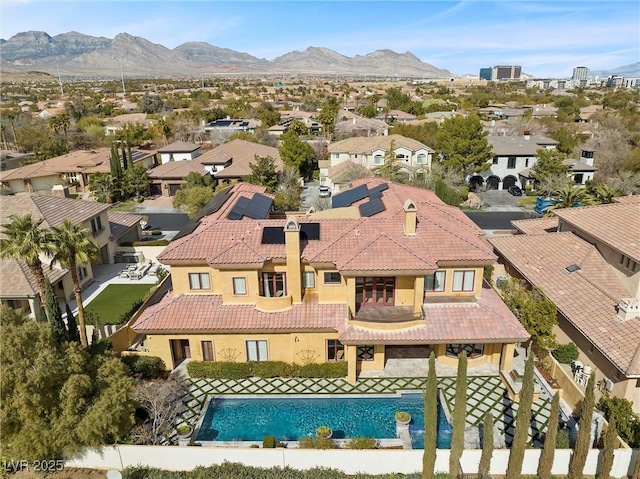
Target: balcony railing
x: 271, y: 304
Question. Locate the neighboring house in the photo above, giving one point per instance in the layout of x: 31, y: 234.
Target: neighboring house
x: 389, y: 272
x: 106, y: 228
x: 313, y: 126
x: 396, y: 116
x: 579, y: 171
x: 589, y: 267
x: 117, y: 123
x: 360, y: 126
x: 10, y: 159
x: 413, y: 156
x: 179, y: 151
x: 228, y: 162
x: 512, y: 156
x: 224, y: 128
x: 74, y: 168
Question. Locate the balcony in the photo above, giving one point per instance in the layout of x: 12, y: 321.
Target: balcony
x: 387, y: 317
x: 273, y: 304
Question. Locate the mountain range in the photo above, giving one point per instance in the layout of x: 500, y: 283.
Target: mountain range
x: 76, y: 54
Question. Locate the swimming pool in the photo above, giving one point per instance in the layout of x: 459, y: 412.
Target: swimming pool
x: 290, y: 418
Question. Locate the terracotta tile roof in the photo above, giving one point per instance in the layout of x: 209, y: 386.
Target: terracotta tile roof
x: 18, y: 282
x: 179, y: 147
x: 53, y: 209
x: 367, y: 144
x: 187, y: 313
x: 627, y: 199
x: 536, y: 226
x: 488, y: 321
x: 176, y: 170
x: 363, y: 244
x: 243, y: 154
x: 121, y: 222
x: 616, y: 224
x: 587, y: 297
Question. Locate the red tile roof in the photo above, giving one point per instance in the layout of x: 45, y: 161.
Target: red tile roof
x: 614, y: 224
x: 536, y: 226
x: 486, y: 321
x: 186, y: 313
x: 587, y: 297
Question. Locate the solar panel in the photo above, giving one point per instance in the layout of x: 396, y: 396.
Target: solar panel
x: 259, y: 206
x: 349, y: 197
x: 371, y: 207
x: 380, y: 188
x: 239, y: 209
x: 310, y: 231
x: 189, y: 228
x: 215, y: 203
x: 137, y: 154
x: 272, y: 235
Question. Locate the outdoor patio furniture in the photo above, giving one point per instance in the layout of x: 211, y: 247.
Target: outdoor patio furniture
x: 141, y: 270
x: 153, y: 271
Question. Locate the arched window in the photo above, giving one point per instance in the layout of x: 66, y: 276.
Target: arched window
x: 377, y: 160
x: 421, y: 158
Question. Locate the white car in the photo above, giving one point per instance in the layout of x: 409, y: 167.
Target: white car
x: 324, y: 192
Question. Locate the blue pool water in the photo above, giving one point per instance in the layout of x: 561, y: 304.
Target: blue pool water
x: 289, y: 419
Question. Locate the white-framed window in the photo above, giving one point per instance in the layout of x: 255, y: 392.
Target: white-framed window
x: 378, y: 159
x: 96, y: 225
x: 332, y: 277
x: 435, y: 281
x: 199, y: 281
x: 82, y: 272
x: 511, y: 162
x: 421, y: 158
x: 463, y: 280
x: 240, y: 285
x: 308, y: 279
x: 257, y: 350
x: 335, y: 156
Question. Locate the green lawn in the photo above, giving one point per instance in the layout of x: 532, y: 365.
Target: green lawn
x: 528, y: 202
x: 117, y: 299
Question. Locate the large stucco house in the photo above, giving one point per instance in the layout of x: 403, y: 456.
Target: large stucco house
x: 106, y: 228
x: 390, y: 271
x: 413, y: 157
x: 587, y: 262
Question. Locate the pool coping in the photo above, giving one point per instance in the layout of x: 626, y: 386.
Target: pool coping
x: 384, y: 442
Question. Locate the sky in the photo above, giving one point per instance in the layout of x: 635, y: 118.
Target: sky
x: 547, y: 38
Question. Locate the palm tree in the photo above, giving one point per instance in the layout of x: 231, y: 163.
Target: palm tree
x: 25, y: 240
x: 606, y: 192
x: 72, y: 247
x: 571, y: 196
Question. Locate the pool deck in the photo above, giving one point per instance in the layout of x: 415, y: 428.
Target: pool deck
x: 485, y: 394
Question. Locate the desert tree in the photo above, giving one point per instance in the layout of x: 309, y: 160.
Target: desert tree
x: 430, y: 396
x: 583, y: 441
x: 523, y: 421
x: 549, y: 448
x: 162, y: 402
x: 459, y: 416
x: 487, y: 447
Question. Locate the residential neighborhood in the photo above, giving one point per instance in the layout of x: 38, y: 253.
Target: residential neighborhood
x: 296, y: 271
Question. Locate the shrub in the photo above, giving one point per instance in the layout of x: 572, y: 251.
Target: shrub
x: 323, y: 370
x: 562, y: 440
x: 271, y: 369
x: 269, y: 442
x: 219, y: 370
x: 159, y: 242
x: 362, y: 442
x: 566, y: 353
x: 156, y: 232
x: 311, y: 442
x: 183, y: 430
x: 627, y: 424
x: 125, y: 317
x: 402, y: 416
x: 146, y: 367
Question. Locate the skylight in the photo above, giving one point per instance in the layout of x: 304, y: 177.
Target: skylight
x: 572, y: 268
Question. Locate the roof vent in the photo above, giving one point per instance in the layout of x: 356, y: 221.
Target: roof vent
x: 572, y: 268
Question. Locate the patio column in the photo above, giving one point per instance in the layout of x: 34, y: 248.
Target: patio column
x: 506, y: 357
x: 352, y: 362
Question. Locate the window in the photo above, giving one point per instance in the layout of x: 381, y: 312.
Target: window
x: 332, y: 278
x: 335, y: 350
x: 463, y: 280
x: 373, y: 291
x: 365, y: 353
x: 96, y: 225
x: 526, y: 163
x: 577, y: 178
x: 495, y: 160
x: 511, y: 162
x: 335, y: 156
x: 207, y: 351
x: 273, y: 285
x: 402, y: 157
x: 420, y: 159
x: 199, y: 281
x: 82, y: 272
x: 472, y: 350
x: 257, y: 350
x: 377, y: 160
x: 435, y: 281
x: 628, y: 263
x: 240, y: 285
x: 308, y: 279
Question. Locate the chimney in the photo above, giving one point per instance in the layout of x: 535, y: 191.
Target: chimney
x: 60, y: 191
x: 527, y: 135
x: 628, y: 308
x: 587, y: 156
x: 354, y: 121
x: 294, y: 268
x: 410, y: 218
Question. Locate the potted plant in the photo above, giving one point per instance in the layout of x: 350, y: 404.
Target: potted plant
x: 403, y: 417
x: 184, y: 434
x: 324, y: 431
